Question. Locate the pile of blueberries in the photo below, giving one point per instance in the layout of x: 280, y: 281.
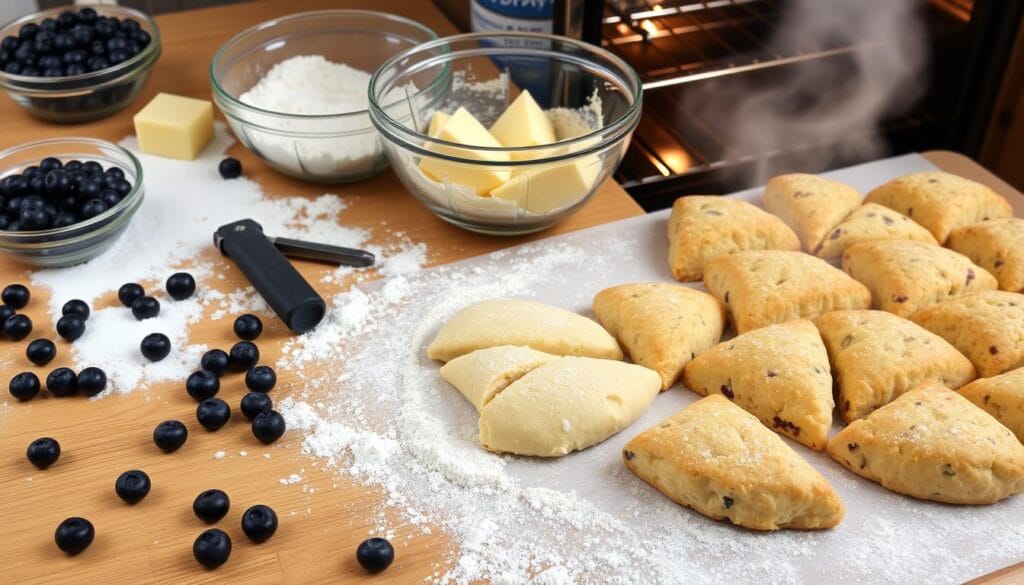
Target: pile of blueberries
x: 55, y: 194
x: 74, y: 43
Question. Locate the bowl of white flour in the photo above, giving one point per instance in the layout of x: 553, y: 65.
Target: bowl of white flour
x: 294, y: 89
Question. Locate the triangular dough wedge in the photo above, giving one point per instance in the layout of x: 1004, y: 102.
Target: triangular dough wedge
x: 482, y: 374
x: 933, y: 444
x: 870, y: 223
x: 662, y: 326
x: 877, y: 356
x: 566, y: 405
x: 520, y: 322
x: 719, y: 460
x: 1001, y: 396
x: 778, y: 373
x: 810, y: 204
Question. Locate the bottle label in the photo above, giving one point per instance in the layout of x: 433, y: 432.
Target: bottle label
x: 536, y: 16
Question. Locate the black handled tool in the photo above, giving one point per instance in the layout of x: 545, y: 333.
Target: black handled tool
x: 323, y: 252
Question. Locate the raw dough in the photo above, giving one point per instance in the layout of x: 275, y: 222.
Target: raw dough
x: 482, y: 374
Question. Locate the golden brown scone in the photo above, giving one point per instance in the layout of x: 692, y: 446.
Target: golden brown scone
x: 906, y: 276
x: 703, y: 227
x: 662, y: 326
x: 778, y: 373
x: 940, y: 201
x: 810, y: 204
x: 987, y: 327
x: 869, y: 223
x: 1001, y: 396
x: 716, y: 458
x: 933, y: 444
x: 877, y: 356
x: 772, y: 286
x: 997, y: 246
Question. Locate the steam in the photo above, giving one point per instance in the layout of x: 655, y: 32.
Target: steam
x: 820, y: 102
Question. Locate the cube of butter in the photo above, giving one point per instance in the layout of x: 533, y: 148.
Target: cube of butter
x: 437, y: 122
x: 523, y: 123
x: 463, y: 128
x: 174, y: 126
x: 552, y: 186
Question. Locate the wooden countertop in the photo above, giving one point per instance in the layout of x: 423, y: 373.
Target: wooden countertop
x: 151, y: 542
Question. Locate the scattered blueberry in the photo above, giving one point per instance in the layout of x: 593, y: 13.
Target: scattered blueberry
x: 261, y: 379
x: 202, y: 384
x: 43, y: 452
x: 244, y: 355
x: 6, y: 312
x: 170, y: 435
x: 230, y: 168
x: 216, y: 361
x: 62, y: 382
x: 259, y: 523
x: 212, y: 548
x: 254, y: 403
x: 76, y: 307
x: 181, y: 285
x: 145, y: 308
x: 24, y: 386
x: 41, y: 352
x: 71, y: 327
x: 375, y: 554
x: 155, y: 346
x: 211, y: 505
x: 15, y: 295
x: 213, y: 413
x: 248, y: 327
x: 74, y: 535
x: 17, y: 327
x: 268, y: 426
x: 92, y: 381
x: 132, y: 486
x: 129, y: 292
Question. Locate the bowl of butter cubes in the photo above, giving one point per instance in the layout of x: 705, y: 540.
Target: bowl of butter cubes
x: 507, y: 133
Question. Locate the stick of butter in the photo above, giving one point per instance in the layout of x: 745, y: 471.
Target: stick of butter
x: 549, y: 187
x: 463, y: 128
x: 174, y: 126
x: 437, y: 122
x: 523, y: 123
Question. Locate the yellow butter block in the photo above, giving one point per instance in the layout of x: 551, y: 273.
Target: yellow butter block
x: 174, y: 126
x: 437, y: 122
x: 550, y: 187
x: 523, y: 123
x: 463, y: 128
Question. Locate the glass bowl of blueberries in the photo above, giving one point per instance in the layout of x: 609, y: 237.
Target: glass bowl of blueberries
x: 63, y: 201
x: 77, y: 65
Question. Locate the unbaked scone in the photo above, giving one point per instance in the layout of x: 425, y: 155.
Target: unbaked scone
x: 905, y: 276
x: 719, y: 460
x: 810, y: 204
x: 870, y: 223
x: 482, y: 374
x: 941, y: 202
x: 778, y: 373
x: 661, y: 326
x: 987, y: 327
x: 759, y: 288
x: 877, y: 356
x: 933, y: 444
x: 997, y: 246
x: 521, y: 322
x: 565, y: 405
x: 1001, y: 396
x: 703, y: 227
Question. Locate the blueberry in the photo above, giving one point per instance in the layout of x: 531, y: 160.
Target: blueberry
x: 13, y: 68
x: 47, y: 61
x: 62, y: 43
x: 16, y: 296
x: 259, y: 523
x: 213, y: 413
x: 82, y: 35
x: 248, y: 327
x: 141, y: 37
x: 14, y: 226
x: 41, y: 352
x: 122, y: 187
x: 181, y: 285
x: 18, y: 327
x: 130, y: 24
x: 28, y: 31
x: 230, y: 168
x: 261, y: 379
x: 244, y: 355
x: 67, y: 19
x: 4, y: 222
x: 31, y: 71
x: 74, y: 535
x: 56, y: 71
x: 76, y: 57
x: 70, y: 327
x: 76, y: 307
x: 48, y: 25
x: 57, y: 182
x: 64, y: 219
x: 114, y: 173
x: 254, y: 403
x: 117, y: 44
x: 43, y: 452
x: 10, y: 44
x: 17, y: 185
x: 216, y: 361
x: 109, y: 197
x: 97, y: 63
x: 375, y: 554
x: 92, y: 208
x: 92, y: 167
x: 132, y: 486
x: 34, y: 218
x: 170, y: 435
x: 92, y: 380
x: 145, y: 308
x: 73, y: 165
x: 105, y: 28
x: 202, y: 384
x: 50, y: 163
x: 75, y: 69
x: 212, y: 548
x: 129, y: 292
x: 98, y: 48
x: 119, y: 56
x: 87, y: 15
x: 24, y: 386
x: 211, y: 505
x: 268, y: 426
x: 62, y: 382
x: 155, y: 346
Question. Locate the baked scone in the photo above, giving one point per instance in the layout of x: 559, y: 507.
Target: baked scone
x: 482, y: 374
x: 703, y: 227
x: 566, y: 405
x: 933, y: 444
x: 1001, y: 396
x: 877, y: 356
x: 941, y: 202
x: 778, y: 373
x: 719, y: 460
x: 520, y: 322
x: 906, y: 276
x: 870, y: 223
x: 987, y: 327
x: 759, y: 288
x: 810, y: 204
x: 661, y: 326
x: 997, y: 246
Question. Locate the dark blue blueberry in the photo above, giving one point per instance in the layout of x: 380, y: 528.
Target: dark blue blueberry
x: 64, y: 219
x: 105, y: 28
x: 211, y: 505
x: 62, y: 382
x: 74, y: 535
x: 132, y: 486
x: 122, y: 187
x: 98, y: 48
x: 76, y: 307
x: 244, y: 355
x: 130, y: 24
x: 34, y: 218
x: 10, y: 44
x: 170, y: 435
x: 109, y: 197
x: 24, y: 386
x: 31, y: 201
x: 33, y: 171
x: 254, y: 403
x: 375, y: 554
x: 17, y: 185
x: 268, y: 426
x: 114, y: 172
x: 31, y: 71
x: 91, y: 167
x: 41, y: 352
x: 49, y: 163
x: 16, y: 296
x: 73, y: 165
x: 116, y: 44
x: 230, y: 168
x: 89, y: 188
x: 97, y: 63
x: 145, y: 308
x: 92, y: 381
x: 67, y: 19
x: 215, y: 360
x: 213, y: 413
x: 141, y: 37
x: 17, y: 327
x: 118, y: 56
x: 180, y: 285
x: 53, y: 72
x: 43, y: 452
x: 87, y: 15
x: 5, y: 56
x: 202, y: 384
x: 13, y: 68
x: 129, y: 292
x: 63, y: 43
x: 212, y: 548
x: 37, y: 184
x: 14, y: 226
x: 92, y: 208
x: 43, y: 45
x: 155, y: 346
x: 261, y: 379
x: 28, y: 31
x: 70, y: 326
x: 75, y: 69
x: 259, y: 523
x: 83, y: 36
x: 48, y: 25
x: 57, y: 182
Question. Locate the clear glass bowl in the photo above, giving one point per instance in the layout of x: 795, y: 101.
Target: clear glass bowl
x: 592, y: 97
x: 83, y: 241
x: 330, y: 148
x: 91, y: 96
